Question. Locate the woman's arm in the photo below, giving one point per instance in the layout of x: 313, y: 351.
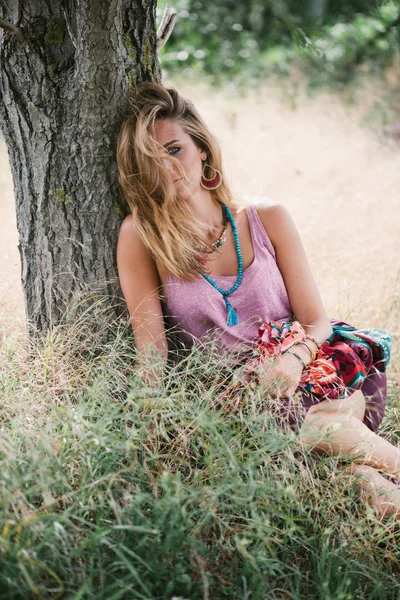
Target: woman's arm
x: 140, y: 284
x: 292, y: 262
x: 302, y: 290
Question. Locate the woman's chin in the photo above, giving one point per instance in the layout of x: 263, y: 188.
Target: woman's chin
x: 182, y: 190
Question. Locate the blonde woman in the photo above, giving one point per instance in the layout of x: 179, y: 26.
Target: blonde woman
x: 239, y: 275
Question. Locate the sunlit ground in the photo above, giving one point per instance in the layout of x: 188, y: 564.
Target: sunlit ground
x: 11, y: 299
x: 338, y: 178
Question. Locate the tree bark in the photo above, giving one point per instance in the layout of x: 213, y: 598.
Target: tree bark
x: 64, y: 92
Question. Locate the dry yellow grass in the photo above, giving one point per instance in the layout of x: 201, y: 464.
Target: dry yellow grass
x: 339, y: 181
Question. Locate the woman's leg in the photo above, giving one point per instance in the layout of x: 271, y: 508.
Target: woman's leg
x: 336, y: 428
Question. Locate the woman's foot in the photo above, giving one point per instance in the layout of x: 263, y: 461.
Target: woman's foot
x: 381, y: 493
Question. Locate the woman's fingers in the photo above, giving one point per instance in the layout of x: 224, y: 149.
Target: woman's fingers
x: 282, y: 391
x: 283, y: 377
x: 278, y: 384
x: 285, y: 394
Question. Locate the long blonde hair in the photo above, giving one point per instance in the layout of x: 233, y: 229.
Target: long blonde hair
x: 164, y: 222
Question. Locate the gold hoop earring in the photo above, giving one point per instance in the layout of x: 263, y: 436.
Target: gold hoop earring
x: 214, y: 182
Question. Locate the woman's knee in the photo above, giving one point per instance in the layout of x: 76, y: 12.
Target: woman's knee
x: 354, y: 406
x: 315, y: 429
x: 325, y: 419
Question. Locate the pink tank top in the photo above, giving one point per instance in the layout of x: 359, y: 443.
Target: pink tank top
x: 198, y: 312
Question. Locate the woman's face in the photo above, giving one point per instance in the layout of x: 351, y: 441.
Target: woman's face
x: 179, y: 144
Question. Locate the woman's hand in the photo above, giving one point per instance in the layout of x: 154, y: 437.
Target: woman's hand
x: 282, y: 378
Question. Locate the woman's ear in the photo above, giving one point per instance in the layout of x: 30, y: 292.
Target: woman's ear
x: 203, y: 155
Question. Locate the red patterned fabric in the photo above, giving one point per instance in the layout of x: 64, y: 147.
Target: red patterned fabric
x: 341, y: 366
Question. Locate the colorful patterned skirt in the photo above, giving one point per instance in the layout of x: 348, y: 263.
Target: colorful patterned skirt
x: 350, y: 359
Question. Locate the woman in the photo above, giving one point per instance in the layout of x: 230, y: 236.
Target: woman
x: 238, y: 276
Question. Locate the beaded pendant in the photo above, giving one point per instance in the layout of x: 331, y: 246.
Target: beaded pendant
x: 232, y: 315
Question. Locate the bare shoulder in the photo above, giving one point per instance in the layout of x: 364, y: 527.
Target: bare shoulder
x: 130, y: 244
x: 127, y: 222
x: 272, y: 212
x: 128, y: 235
x: 276, y: 220
x: 127, y: 228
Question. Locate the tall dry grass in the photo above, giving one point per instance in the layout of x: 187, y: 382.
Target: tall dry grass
x: 109, y: 491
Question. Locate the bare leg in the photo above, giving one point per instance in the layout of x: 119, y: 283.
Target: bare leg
x: 336, y: 428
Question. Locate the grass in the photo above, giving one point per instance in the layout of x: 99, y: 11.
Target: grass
x: 108, y: 492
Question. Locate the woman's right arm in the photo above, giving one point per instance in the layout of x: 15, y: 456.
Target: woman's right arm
x: 140, y: 283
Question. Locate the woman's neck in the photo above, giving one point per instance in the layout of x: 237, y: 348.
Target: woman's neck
x: 209, y: 211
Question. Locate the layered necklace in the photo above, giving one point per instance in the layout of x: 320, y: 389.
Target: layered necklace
x: 232, y: 316
x: 222, y: 238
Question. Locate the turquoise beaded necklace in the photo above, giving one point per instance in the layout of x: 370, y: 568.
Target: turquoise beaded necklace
x: 232, y: 316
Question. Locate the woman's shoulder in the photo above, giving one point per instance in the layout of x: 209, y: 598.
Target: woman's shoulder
x: 127, y: 225
x: 278, y: 223
x: 128, y: 232
x: 131, y: 245
x: 275, y: 219
x: 129, y: 240
x: 271, y: 211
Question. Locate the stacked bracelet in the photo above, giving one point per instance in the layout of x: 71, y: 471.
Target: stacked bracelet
x: 312, y: 339
x: 311, y: 352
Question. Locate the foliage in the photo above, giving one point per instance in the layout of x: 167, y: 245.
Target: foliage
x: 331, y: 40
x: 109, y: 492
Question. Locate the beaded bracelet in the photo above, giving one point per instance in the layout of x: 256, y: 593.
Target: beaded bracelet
x: 312, y: 339
x: 303, y: 364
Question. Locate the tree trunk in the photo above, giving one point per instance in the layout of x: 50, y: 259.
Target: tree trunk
x: 63, y: 95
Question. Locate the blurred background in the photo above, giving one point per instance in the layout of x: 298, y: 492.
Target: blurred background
x: 331, y: 41
x: 304, y: 98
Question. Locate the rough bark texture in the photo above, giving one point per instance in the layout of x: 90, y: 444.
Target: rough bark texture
x: 63, y: 96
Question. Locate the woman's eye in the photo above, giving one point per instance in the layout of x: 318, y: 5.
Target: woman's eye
x: 173, y: 150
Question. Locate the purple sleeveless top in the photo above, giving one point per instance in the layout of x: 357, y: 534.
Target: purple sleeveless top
x: 198, y: 311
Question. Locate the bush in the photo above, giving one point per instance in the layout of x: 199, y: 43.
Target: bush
x: 225, y: 40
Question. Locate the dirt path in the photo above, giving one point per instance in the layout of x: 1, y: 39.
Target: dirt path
x: 11, y: 299
x: 339, y: 181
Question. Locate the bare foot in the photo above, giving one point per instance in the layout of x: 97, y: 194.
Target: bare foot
x: 381, y: 493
